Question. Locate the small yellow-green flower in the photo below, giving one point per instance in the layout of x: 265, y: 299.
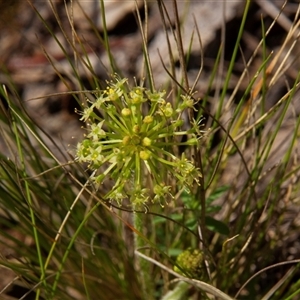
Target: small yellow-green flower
x: 131, y: 133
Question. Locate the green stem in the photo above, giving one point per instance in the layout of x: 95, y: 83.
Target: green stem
x: 232, y: 61
x: 66, y: 254
x: 143, y: 266
x: 29, y: 200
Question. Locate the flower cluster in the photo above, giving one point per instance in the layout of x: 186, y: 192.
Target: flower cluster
x: 131, y: 133
x: 191, y: 262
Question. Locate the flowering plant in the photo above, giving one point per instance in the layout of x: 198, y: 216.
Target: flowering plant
x: 133, y: 133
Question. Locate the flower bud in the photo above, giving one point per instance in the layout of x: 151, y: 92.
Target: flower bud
x: 146, y: 142
x: 168, y: 110
x: 192, y: 141
x: 148, y: 119
x: 126, y: 140
x: 126, y: 112
x: 113, y: 96
x: 145, y: 155
x: 136, y: 128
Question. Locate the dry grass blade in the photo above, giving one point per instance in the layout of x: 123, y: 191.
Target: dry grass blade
x: 197, y: 283
x: 296, y: 261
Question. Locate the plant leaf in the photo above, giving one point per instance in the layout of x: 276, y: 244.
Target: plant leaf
x: 216, y: 226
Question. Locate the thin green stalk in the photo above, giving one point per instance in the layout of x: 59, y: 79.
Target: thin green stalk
x: 295, y: 135
x: 162, y: 9
x: 266, y: 151
x: 84, y: 283
x: 106, y: 40
x: 210, y: 84
x: 243, y: 112
x: 143, y: 33
x: 143, y: 266
x: 293, y: 295
x: 139, y: 224
x: 232, y: 61
x: 264, y: 71
x: 29, y: 200
x: 72, y: 241
x: 179, y: 44
x: 51, y: 251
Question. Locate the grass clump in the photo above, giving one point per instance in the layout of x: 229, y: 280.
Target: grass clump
x: 166, y: 196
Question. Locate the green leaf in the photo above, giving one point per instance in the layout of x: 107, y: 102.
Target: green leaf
x: 213, y: 209
x: 217, y: 194
x: 216, y: 226
x: 174, y: 252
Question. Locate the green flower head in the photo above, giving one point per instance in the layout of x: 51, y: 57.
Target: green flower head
x: 191, y: 263
x: 131, y: 135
